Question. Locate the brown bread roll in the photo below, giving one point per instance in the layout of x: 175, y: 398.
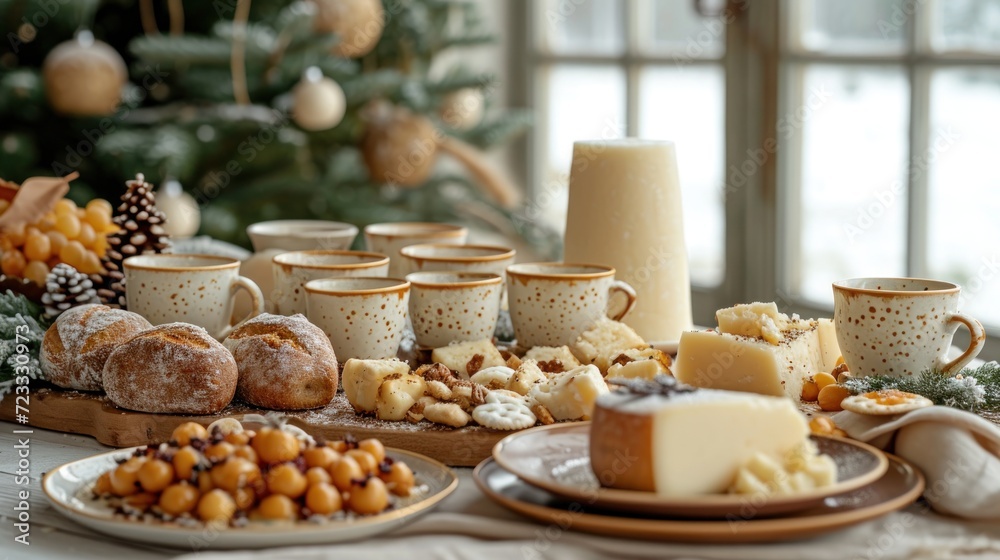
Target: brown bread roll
x: 76, y: 346
x: 174, y: 368
x: 285, y: 363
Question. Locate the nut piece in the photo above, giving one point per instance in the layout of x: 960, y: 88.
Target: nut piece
x: 810, y: 390
x: 822, y: 379
x: 822, y: 425
x: 831, y: 396
x: 543, y: 414
x: 475, y: 364
x: 436, y: 372
x: 439, y: 390
x: 449, y: 414
x: 841, y: 368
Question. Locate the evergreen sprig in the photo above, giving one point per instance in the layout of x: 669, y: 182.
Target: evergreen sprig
x: 16, y: 312
x: 975, y: 389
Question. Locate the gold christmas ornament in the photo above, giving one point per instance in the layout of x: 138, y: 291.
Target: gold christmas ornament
x: 180, y: 208
x: 84, y: 77
x: 463, y: 109
x: 358, y: 23
x: 399, y: 147
x: 318, y: 103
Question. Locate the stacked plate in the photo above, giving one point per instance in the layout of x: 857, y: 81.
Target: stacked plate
x: 544, y: 473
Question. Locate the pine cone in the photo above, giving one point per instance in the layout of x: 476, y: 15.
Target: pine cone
x: 66, y: 287
x: 141, y: 232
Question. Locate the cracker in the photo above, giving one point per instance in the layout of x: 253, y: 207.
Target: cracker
x: 505, y: 416
x: 884, y: 403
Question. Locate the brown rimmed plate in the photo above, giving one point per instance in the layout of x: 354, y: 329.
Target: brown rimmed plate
x: 556, y: 458
x: 899, y: 487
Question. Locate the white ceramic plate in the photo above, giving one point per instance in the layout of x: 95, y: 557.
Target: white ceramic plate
x: 69, y: 489
x: 899, y: 487
x: 556, y: 458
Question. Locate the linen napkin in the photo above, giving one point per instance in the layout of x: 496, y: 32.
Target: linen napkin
x: 958, y: 452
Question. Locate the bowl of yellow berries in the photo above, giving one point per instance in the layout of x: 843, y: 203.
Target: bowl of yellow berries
x: 227, y: 486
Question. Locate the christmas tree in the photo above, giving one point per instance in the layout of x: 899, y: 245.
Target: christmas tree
x: 322, y: 109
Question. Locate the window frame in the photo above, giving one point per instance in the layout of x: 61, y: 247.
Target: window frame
x: 761, y: 84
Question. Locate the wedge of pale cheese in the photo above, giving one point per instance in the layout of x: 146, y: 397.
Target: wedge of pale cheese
x: 474, y: 354
x: 756, y: 349
x: 688, y: 444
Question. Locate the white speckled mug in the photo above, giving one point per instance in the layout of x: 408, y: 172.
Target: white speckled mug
x: 901, y: 326
x: 301, y: 235
x: 453, y: 306
x: 389, y: 238
x: 293, y: 269
x: 364, y: 317
x: 196, y: 289
x: 551, y: 304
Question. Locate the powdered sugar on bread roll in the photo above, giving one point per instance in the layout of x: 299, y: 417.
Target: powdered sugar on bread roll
x: 173, y: 368
x: 285, y: 363
x: 78, y: 344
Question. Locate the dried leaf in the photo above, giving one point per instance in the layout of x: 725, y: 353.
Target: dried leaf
x: 36, y: 197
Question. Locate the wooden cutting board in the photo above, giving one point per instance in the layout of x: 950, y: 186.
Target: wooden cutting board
x: 94, y: 415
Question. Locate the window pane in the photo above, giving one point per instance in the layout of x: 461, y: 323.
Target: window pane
x: 687, y: 106
x: 854, y: 124
x: 582, y: 26
x: 675, y: 27
x: 967, y: 25
x: 581, y: 102
x: 846, y: 26
x: 964, y: 229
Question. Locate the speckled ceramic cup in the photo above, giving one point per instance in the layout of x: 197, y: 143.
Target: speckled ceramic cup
x: 293, y: 269
x: 901, y: 326
x: 301, y: 235
x: 196, y: 289
x: 364, y: 317
x: 453, y: 306
x: 551, y: 304
x: 389, y: 238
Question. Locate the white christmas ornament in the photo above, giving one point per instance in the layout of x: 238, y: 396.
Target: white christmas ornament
x: 463, y: 109
x: 318, y: 103
x: 181, y: 209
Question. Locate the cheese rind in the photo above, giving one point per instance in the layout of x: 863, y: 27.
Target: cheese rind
x: 688, y: 444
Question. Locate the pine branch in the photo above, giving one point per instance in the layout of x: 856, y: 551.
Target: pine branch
x: 178, y: 51
x: 977, y: 390
x: 382, y: 83
x: 21, y: 323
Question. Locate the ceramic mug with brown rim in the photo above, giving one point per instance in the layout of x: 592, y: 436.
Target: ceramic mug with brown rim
x: 293, y: 269
x: 901, y: 326
x: 447, y: 307
x: 196, y: 289
x: 389, y: 238
x: 434, y: 257
x: 363, y: 317
x: 552, y: 303
x: 301, y: 235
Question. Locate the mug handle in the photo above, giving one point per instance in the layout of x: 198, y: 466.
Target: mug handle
x: 629, y: 293
x: 256, y: 299
x: 978, y: 339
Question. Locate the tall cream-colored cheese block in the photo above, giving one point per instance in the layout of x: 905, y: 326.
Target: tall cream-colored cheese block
x: 625, y: 211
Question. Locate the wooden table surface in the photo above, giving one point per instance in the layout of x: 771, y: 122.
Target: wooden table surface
x: 501, y: 533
